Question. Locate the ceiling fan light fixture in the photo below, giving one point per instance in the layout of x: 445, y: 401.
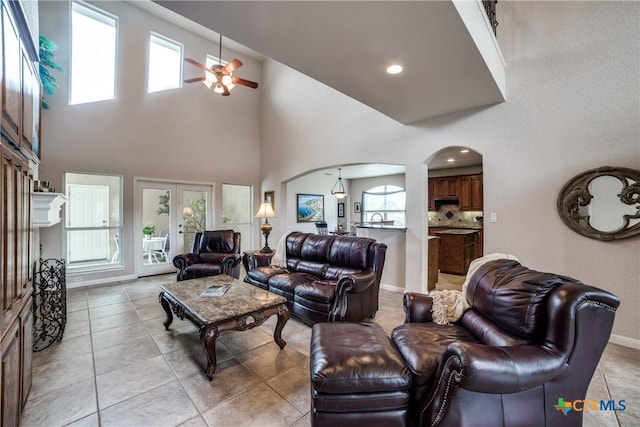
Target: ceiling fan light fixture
x: 338, y: 187
x: 227, y: 80
x: 218, y: 88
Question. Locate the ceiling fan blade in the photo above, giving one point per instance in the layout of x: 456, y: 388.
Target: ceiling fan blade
x: 243, y: 82
x: 226, y: 91
x: 195, y: 79
x: 197, y: 64
x: 233, y: 65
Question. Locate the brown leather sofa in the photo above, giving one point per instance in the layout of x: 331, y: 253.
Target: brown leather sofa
x: 213, y: 252
x: 327, y: 278
x: 529, y: 340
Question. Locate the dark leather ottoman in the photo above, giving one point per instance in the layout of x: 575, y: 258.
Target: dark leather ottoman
x: 357, y: 377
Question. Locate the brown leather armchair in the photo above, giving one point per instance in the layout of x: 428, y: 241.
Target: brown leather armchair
x: 214, y: 252
x: 530, y: 343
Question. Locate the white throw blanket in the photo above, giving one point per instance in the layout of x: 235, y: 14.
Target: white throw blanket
x: 279, y: 259
x: 448, y: 305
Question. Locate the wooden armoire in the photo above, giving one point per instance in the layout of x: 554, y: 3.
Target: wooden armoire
x: 20, y: 98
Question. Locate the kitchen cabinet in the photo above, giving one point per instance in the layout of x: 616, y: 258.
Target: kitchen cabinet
x: 457, y: 250
x: 433, y: 258
x: 467, y: 189
x: 471, y: 193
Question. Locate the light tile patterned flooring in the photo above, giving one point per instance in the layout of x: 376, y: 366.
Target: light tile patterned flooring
x: 117, y: 366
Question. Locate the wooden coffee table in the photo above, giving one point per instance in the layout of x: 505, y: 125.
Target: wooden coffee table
x: 241, y: 308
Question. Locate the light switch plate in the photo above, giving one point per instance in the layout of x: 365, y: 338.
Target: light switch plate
x: 493, y: 217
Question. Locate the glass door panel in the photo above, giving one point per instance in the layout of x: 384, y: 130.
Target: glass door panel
x: 167, y: 216
x: 237, y: 212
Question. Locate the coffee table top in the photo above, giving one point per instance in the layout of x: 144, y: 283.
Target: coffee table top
x: 240, y: 299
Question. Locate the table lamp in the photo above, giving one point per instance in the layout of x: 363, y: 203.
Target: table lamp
x: 266, y: 211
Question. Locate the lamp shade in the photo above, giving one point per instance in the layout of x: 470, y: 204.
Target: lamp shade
x: 265, y: 211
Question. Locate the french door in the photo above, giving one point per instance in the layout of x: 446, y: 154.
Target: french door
x: 167, y: 216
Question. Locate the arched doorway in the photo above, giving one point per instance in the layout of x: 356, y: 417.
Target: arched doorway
x: 455, y: 215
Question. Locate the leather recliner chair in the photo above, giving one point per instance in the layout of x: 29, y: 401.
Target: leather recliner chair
x: 214, y: 252
x: 528, y: 345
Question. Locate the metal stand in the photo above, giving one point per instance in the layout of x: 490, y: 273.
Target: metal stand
x: 49, y: 303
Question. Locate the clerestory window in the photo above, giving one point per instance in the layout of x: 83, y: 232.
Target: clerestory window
x: 93, y: 54
x: 165, y: 63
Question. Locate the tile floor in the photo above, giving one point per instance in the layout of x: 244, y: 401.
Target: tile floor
x: 117, y: 366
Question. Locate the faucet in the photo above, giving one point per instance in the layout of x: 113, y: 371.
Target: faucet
x: 373, y: 215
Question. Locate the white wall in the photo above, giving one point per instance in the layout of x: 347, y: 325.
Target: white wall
x: 572, y: 105
x: 186, y: 134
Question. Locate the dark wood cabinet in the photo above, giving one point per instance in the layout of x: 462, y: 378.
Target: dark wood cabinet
x: 465, y: 188
x: 457, y: 250
x: 20, y: 104
x: 471, y: 192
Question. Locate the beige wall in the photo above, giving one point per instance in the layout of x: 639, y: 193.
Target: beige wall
x: 572, y: 105
x: 186, y: 134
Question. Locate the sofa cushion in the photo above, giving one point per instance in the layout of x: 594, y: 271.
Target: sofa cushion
x: 350, y: 252
x: 304, y: 266
x: 212, y: 257
x: 195, y: 271
x: 264, y: 273
x: 217, y: 241
x: 318, y: 290
x: 422, y: 344
x: 287, y: 282
x: 512, y: 296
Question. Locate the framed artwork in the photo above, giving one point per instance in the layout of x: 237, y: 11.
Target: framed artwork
x: 309, y: 207
x: 270, y: 196
x: 340, y: 210
x: 356, y: 207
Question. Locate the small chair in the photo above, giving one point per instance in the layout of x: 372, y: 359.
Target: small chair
x: 214, y: 252
x: 321, y: 228
x: 162, y: 251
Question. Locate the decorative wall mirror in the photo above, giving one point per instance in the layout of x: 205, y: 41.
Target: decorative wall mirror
x: 602, y: 203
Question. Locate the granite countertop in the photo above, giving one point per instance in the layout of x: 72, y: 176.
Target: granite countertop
x: 456, y: 231
x: 384, y: 227
x: 455, y: 226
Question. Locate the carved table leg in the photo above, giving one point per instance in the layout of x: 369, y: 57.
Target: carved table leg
x: 283, y: 317
x: 167, y: 309
x: 208, y: 337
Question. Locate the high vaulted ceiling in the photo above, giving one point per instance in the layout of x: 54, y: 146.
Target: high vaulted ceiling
x: 348, y: 45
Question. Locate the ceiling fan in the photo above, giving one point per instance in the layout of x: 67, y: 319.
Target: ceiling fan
x: 221, y: 76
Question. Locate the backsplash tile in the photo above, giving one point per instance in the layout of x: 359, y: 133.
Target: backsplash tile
x: 451, y: 216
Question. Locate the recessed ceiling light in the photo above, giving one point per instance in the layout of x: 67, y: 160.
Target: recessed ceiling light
x: 394, y: 69
x: 451, y: 160
x: 464, y: 151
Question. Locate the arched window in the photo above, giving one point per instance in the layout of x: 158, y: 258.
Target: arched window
x: 387, y: 200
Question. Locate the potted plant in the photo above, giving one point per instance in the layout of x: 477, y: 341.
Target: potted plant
x: 47, y: 64
x: 148, y: 231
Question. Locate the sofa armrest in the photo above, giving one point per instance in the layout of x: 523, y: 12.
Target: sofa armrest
x: 183, y: 261
x: 417, y: 307
x: 351, y: 284
x: 229, y: 262
x: 494, y: 369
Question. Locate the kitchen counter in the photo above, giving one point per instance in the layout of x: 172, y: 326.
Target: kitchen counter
x: 455, y: 231
x: 384, y: 227
x: 456, y: 226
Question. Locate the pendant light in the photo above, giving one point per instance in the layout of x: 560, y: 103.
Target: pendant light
x: 338, y: 187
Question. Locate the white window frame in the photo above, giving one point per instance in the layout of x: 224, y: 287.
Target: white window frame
x: 116, y: 262
x: 399, y: 215
x: 168, y: 43
x: 107, y: 18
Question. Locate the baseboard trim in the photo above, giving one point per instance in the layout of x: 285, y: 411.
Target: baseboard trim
x: 625, y: 341
x: 392, y: 288
x: 104, y: 280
